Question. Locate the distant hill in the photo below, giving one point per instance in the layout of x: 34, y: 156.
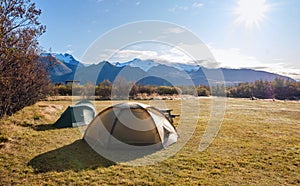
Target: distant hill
x: 63, y: 67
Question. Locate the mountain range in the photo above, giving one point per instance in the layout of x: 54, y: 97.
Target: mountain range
x: 63, y: 67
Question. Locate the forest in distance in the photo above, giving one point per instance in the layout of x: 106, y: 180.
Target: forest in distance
x: 278, y: 89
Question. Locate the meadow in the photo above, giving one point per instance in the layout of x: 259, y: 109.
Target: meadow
x: 258, y: 144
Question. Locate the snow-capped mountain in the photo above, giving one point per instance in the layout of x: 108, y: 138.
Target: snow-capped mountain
x: 65, y: 58
x: 142, y: 64
x: 186, y: 67
x: 148, y: 64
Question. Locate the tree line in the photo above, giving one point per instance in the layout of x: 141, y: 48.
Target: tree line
x: 277, y: 89
x: 122, y: 89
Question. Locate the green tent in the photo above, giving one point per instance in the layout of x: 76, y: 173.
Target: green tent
x: 77, y: 115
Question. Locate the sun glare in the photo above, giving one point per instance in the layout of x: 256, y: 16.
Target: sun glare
x: 251, y: 13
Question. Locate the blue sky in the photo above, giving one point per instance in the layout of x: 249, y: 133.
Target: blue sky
x: 258, y: 34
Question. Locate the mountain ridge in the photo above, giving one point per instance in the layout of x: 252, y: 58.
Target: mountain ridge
x: 65, y: 67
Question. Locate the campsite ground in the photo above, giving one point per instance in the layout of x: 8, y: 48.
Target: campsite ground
x: 258, y: 144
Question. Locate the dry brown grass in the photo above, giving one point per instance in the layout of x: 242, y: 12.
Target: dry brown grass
x: 258, y: 144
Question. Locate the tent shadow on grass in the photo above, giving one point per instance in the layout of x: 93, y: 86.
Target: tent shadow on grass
x: 39, y: 127
x: 43, y: 127
x: 76, y: 156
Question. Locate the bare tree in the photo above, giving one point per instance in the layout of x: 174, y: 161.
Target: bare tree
x: 23, y: 80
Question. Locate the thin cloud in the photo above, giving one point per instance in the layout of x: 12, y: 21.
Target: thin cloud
x: 225, y: 58
x: 178, y: 8
x: 70, y: 51
x: 187, y: 7
x: 197, y: 5
x: 234, y: 58
x: 165, y: 54
x: 170, y: 55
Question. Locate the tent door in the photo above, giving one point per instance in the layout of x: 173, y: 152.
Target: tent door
x: 88, y: 116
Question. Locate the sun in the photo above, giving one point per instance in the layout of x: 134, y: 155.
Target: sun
x: 251, y: 13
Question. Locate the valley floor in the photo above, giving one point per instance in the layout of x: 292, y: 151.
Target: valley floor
x: 258, y: 144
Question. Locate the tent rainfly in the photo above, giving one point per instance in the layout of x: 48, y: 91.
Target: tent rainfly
x: 77, y: 115
x: 132, y: 124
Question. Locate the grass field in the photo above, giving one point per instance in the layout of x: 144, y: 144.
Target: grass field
x: 258, y: 144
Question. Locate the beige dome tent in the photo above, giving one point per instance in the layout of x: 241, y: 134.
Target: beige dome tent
x: 130, y: 124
